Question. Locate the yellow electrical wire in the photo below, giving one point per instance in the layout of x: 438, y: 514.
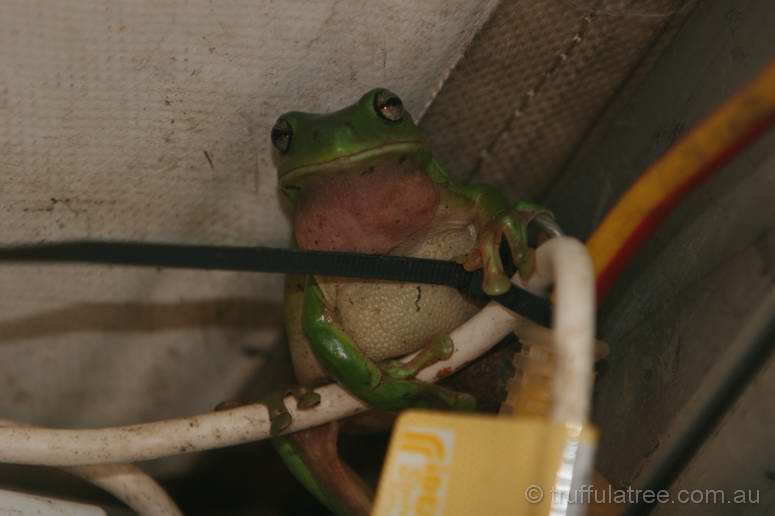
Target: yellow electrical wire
x: 703, y: 151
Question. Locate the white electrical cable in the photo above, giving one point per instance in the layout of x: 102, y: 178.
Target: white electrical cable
x: 248, y: 423
x: 565, y: 263
x: 138, y: 490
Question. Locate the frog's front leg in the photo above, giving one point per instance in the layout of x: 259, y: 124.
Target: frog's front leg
x: 497, y: 219
x: 390, y: 387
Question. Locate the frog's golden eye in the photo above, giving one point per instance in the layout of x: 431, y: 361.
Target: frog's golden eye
x: 389, y: 106
x: 282, y: 134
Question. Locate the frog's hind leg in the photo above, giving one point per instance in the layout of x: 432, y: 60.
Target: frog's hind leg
x: 388, y: 388
x: 312, y: 454
x: 313, y: 458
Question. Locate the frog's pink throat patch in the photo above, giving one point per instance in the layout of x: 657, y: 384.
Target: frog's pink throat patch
x: 369, y: 210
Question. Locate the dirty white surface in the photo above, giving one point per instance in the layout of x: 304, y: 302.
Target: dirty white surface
x: 149, y: 120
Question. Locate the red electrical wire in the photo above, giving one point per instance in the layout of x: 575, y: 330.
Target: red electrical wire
x: 708, y: 147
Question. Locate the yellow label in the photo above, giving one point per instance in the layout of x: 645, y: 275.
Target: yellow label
x: 453, y: 464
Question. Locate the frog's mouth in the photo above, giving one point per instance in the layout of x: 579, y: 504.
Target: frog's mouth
x: 294, y: 179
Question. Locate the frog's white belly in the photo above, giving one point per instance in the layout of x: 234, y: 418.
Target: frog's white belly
x: 387, y: 319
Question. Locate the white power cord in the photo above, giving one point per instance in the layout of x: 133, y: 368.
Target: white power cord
x: 138, y: 490
x: 565, y: 263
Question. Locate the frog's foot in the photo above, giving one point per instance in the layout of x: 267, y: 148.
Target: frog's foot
x: 398, y: 393
x: 279, y: 416
x: 512, y: 225
x: 440, y: 348
x: 431, y: 396
x: 427, y: 394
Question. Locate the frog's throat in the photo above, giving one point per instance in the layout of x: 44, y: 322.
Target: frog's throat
x: 295, y: 176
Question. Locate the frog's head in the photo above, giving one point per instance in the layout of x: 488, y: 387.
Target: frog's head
x: 309, y: 144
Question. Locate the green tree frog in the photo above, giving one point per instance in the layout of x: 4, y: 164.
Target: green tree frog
x: 363, y: 179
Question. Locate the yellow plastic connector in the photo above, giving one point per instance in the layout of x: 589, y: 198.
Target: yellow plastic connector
x: 459, y: 465
x: 529, y: 393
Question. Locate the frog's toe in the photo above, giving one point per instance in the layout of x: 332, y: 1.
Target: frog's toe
x: 495, y: 283
x: 441, y: 397
x: 461, y: 401
x: 486, y: 255
x: 305, y: 398
x: 397, y: 370
x: 279, y: 416
x: 279, y: 422
x: 515, y: 228
x: 440, y: 348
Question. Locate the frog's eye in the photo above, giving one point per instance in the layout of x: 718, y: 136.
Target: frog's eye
x: 389, y: 106
x: 281, y: 135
